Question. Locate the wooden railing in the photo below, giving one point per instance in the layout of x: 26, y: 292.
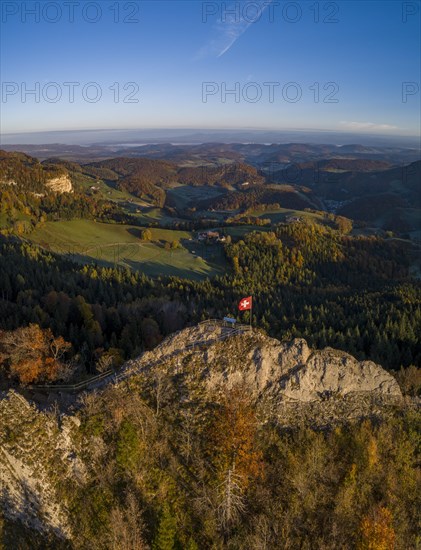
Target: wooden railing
x: 111, y: 376
x: 74, y: 387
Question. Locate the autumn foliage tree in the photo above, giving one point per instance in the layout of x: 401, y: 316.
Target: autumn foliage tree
x: 235, y: 458
x: 31, y: 354
x: 377, y: 531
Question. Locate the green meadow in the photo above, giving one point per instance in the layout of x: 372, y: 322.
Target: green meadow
x: 278, y: 215
x: 88, y: 241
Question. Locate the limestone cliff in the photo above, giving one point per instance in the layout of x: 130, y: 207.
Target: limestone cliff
x: 36, y: 458
x: 293, y: 382
x: 291, y: 371
x: 62, y: 184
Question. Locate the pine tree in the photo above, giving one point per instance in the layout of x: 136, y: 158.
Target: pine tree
x: 166, y: 535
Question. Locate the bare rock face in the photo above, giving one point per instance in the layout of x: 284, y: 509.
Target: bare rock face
x: 292, y: 371
x: 285, y: 372
x: 62, y: 184
x: 329, y: 372
x: 272, y: 359
x: 35, y: 457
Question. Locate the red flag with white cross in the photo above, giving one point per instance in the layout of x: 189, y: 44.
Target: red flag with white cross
x: 245, y: 303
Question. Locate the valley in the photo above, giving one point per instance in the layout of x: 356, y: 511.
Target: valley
x: 209, y: 186
x: 128, y: 413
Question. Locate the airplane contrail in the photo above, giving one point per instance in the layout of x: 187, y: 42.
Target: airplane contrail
x: 230, y: 28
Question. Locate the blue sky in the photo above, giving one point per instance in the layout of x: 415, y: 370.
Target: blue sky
x: 340, y: 69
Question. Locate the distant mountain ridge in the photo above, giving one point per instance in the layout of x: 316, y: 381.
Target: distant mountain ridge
x: 370, y: 190
x: 254, y: 152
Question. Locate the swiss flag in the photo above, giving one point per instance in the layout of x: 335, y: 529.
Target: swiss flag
x: 245, y: 303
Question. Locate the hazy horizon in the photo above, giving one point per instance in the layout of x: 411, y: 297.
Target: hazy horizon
x: 127, y: 137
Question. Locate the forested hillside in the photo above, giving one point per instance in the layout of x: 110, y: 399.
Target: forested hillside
x: 350, y: 293
x: 166, y: 459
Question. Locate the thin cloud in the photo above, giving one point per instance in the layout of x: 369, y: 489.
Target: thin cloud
x: 367, y: 126
x: 231, y: 25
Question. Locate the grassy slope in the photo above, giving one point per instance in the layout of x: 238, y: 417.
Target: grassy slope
x: 109, y: 243
x: 277, y: 215
x: 146, y: 213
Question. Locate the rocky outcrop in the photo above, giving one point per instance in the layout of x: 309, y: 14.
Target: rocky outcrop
x: 36, y: 458
x: 287, y: 371
x: 329, y: 372
x: 288, y: 380
x: 62, y: 184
